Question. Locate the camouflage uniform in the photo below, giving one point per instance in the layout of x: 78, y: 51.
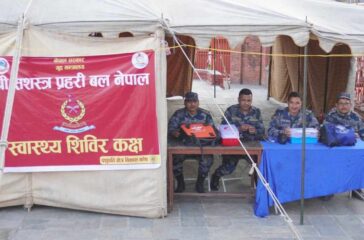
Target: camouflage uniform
x: 350, y: 119
x: 182, y: 116
x: 236, y: 117
x: 282, y: 119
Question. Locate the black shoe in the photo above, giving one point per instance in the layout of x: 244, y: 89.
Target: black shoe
x: 358, y: 194
x: 180, y: 184
x: 214, y: 184
x: 199, y: 184
x: 327, y: 197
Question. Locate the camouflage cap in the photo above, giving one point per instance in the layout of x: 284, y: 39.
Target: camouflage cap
x: 343, y: 95
x: 191, y: 96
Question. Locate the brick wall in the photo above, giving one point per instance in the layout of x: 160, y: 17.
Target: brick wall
x: 205, y: 59
x: 235, y: 65
x: 248, y: 68
x: 251, y: 63
x: 242, y: 68
x: 359, y: 84
x: 265, y: 66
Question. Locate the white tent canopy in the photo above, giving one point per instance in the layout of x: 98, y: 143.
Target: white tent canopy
x: 206, y: 19
x: 333, y: 22
x: 234, y: 20
x: 83, y: 17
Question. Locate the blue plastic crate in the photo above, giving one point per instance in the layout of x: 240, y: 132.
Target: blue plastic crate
x: 295, y: 140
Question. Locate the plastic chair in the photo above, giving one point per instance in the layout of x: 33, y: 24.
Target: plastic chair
x: 194, y: 178
x: 243, y: 171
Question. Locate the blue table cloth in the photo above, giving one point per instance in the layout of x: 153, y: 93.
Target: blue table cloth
x: 327, y: 171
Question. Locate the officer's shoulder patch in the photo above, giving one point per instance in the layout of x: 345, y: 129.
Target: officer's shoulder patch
x: 256, y: 110
x: 280, y: 110
x: 355, y: 116
x: 308, y: 112
x: 233, y: 108
x: 204, y: 111
x: 333, y: 110
x: 180, y: 111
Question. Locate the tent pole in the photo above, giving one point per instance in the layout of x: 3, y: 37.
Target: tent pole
x: 299, y: 69
x: 326, y: 83
x: 303, y: 154
x: 261, y: 65
x: 214, y: 67
x: 11, y: 90
x: 269, y: 72
x: 350, y: 86
x: 242, y: 63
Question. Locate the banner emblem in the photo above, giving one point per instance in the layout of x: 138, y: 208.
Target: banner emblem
x: 4, y: 66
x: 140, y: 60
x: 73, y: 111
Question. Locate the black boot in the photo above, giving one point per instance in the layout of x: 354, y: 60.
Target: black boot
x: 199, y: 184
x: 214, y: 184
x: 180, y: 184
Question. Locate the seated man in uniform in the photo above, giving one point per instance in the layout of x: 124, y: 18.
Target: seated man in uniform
x: 248, y: 120
x: 191, y: 113
x: 342, y: 114
x: 290, y: 117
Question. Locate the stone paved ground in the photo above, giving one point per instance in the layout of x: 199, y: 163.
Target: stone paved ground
x: 194, y: 218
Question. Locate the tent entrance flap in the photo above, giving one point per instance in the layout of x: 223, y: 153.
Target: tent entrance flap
x: 324, y: 76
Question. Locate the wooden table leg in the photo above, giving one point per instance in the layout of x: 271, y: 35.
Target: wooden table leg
x: 170, y: 184
x: 254, y: 176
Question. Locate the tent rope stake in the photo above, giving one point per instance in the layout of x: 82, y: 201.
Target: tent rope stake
x: 280, y: 208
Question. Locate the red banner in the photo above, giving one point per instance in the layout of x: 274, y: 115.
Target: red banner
x: 82, y: 113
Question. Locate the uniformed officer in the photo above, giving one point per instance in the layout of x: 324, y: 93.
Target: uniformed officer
x: 191, y: 113
x: 248, y: 120
x: 290, y: 117
x: 342, y: 114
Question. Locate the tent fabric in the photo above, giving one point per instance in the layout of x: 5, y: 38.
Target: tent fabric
x: 323, y: 73
x: 331, y: 21
x: 13, y: 188
x: 233, y: 19
x: 179, y: 71
x: 87, y: 190
x: 7, y: 43
x: 83, y: 17
x: 284, y: 77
